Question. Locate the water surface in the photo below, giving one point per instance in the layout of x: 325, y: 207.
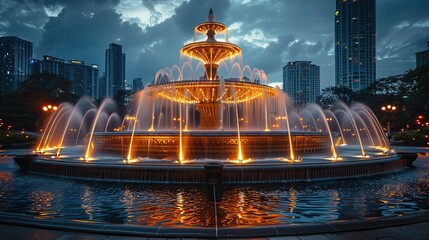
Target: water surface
x: 197, y: 204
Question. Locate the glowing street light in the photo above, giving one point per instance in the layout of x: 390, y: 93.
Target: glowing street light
x: 420, y: 122
x: 389, y: 108
x: 49, y: 108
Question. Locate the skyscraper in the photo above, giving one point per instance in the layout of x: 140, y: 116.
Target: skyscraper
x: 115, y: 70
x: 137, y: 84
x: 15, y: 56
x: 103, y: 86
x: 355, y: 43
x: 301, y: 81
x: 422, y: 58
x: 84, y: 78
x: 49, y: 64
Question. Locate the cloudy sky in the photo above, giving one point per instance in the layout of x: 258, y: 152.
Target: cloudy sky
x: 152, y: 32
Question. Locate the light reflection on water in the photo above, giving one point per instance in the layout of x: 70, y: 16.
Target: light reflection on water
x: 194, y: 205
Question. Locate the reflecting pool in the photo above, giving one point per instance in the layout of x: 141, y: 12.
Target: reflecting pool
x: 227, y: 205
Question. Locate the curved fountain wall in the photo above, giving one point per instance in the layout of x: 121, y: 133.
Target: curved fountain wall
x: 211, y: 145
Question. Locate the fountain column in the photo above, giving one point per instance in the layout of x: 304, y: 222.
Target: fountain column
x: 209, y: 115
x: 211, y: 71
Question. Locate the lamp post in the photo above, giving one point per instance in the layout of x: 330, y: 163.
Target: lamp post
x: 389, y: 108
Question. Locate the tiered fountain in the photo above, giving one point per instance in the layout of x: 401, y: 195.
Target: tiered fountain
x: 181, y: 127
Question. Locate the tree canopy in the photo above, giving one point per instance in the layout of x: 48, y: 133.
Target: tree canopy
x: 23, y: 108
x: 409, y: 92
x: 331, y: 94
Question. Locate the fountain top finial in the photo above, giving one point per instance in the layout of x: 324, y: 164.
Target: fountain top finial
x: 211, y: 16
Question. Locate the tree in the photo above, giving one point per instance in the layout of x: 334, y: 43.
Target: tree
x: 23, y: 108
x: 383, y: 92
x: 416, y: 90
x: 331, y: 94
x: 47, y: 85
x: 409, y: 92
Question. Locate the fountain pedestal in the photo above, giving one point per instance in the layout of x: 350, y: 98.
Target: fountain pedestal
x: 211, y: 71
x: 209, y: 115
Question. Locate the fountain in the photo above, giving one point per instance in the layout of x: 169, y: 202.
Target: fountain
x: 213, y: 122
x: 183, y: 128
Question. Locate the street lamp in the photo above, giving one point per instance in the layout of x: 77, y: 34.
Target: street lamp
x: 49, y: 108
x: 47, y: 111
x: 389, y: 108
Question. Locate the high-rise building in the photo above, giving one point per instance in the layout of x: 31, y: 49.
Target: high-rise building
x: 128, y: 94
x: 422, y: 58
x: 137, y: 84
x: 115, y: 70
x: 15, y: 56
x: 84, y: 78
x: 103, y: 86
x: 95, y: 82
x: 49, y: 64
x: 355, y: 43
x: 301, y: 81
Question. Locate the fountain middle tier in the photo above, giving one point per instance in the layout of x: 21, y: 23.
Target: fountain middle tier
x: 200, y: 91
x: 211, y: 144
x: 210, y: 96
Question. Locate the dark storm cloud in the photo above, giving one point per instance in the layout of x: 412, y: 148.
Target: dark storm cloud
x: 83, y: 30
x: 150, y: 4
x: 270, y: 33
x: 191, y: 13
x: 402, y: 30
x: 22, y: 18
x: 292, y: 23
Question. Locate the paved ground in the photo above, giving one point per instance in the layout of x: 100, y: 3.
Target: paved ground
x: 418, y: 231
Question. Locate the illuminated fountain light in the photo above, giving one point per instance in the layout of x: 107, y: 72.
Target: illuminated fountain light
x: 242, y: 161
x: 334, y: 159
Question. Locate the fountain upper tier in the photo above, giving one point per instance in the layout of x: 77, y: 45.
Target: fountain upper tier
x: 211, y: 52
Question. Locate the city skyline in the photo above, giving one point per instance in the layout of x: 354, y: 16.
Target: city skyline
x: 269, y: 34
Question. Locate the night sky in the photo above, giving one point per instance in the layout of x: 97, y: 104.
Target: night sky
x: 270, y: 33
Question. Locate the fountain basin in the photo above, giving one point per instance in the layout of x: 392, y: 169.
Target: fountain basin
x: 274, y: 170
